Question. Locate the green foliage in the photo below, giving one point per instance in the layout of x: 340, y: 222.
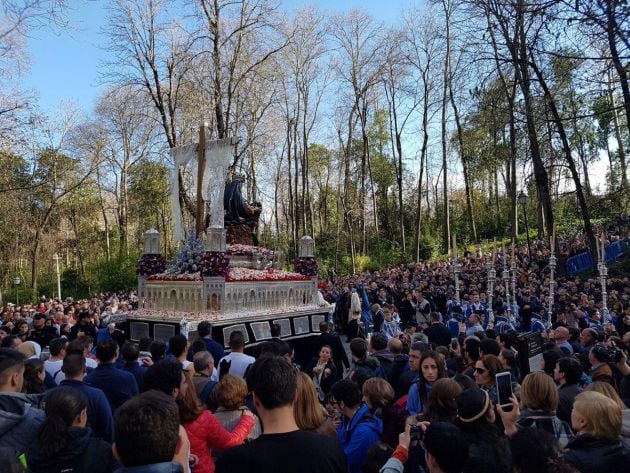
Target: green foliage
x: 117, y: 275
x: 428, y: 247
x: 149, y: 203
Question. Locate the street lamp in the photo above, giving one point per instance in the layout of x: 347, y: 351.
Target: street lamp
x: 17, y: 281
x: 522, y: 199
x: 56, y: 257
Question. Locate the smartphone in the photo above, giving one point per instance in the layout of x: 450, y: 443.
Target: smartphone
x: 454, y: 342
x: 504, y: 390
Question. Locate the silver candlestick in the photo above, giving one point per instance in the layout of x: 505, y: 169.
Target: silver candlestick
x: 552, y: 286
x: 603, y: 273
x: 506, y: 283
x: 513, y: 270
x: 492, y: 276
x: 457, y: 269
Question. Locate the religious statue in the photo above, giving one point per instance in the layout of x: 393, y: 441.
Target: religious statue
x: 241, y: 217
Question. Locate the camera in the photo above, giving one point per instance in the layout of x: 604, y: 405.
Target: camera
x: 615, y: 354
x: 608, y: 354
x: 416, y: 433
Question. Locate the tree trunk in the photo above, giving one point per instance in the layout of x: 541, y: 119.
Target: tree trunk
x: 292, y: 210
x: 622, y: 71
x: 620, y: 144
x: 510, y: 182
x: 460, y: 139
x: 540, y: 172
x: 104, y: 214
x: 569, y: 158
x: 123, y: 219
x: 446, y: 74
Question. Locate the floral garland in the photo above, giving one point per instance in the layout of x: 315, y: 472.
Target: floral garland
x: 215, y: 263
x: 306, y: 266
x: 249, y: 250
x: 245, y: 274
x: 150, y: 264
x: 175, y: 277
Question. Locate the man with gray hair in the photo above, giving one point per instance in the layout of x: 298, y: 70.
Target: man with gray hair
x: 203, y: 362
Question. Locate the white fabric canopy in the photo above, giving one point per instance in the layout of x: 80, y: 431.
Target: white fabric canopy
x: 218, y: 155
x: 181, y: 156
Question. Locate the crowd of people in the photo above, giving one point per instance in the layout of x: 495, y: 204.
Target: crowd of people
x: 405, y: 377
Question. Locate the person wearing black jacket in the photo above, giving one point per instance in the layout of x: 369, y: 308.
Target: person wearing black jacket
x: 83, y: 326
x: 437, y: 333
x: 340, y: 358
x: 568, y: 372
x: 41, y: 333
x: 378, y: 316
x: 323, y: 371
x: 597, y: 447
x: 64, y: 443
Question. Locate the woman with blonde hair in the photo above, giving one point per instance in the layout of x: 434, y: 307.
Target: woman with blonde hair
x: 539, y: 400
x: 230, y: 396
x: 597, y: 447
x: 308, y: 411
x: 607, y: 390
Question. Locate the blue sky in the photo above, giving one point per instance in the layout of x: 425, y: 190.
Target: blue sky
x: 65, y: 64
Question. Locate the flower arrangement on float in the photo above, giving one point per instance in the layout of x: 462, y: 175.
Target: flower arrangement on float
x: 172, y: 315
x: 249, y: 250
x: 215, y: 263
x: 306, y: 265
x: 175, y: 277
x: 245, y: 274
x: 150, y: 264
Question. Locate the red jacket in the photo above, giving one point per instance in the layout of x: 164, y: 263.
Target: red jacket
x: 206, y: 432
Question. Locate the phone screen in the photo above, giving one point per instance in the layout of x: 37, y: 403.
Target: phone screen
x: 504, y: 388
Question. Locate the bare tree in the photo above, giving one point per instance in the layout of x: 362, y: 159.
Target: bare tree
x: 153, y: 55
x: 231, y: 29
x: 129, y: 134
x: 362, y: 50
x: 421, y: 46
x: 403, y: 97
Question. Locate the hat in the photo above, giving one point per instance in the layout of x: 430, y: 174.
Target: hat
x: 472, y: 404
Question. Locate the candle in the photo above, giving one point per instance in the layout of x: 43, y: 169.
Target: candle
x: 494, y: 250
x: 603, y: 249
x: 512, y: 248
x: 553, y: 240
x: 504, y: 254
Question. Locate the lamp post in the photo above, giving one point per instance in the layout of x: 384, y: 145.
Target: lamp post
x: 56, y: 257
x: 17, y: 281
x: 522, y: 199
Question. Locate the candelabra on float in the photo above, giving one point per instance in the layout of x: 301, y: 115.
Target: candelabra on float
x: 505, y: 276
x: 552, y: 283
x: 603, y: 274
x: 492, y: 276
x: 513, y: 271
